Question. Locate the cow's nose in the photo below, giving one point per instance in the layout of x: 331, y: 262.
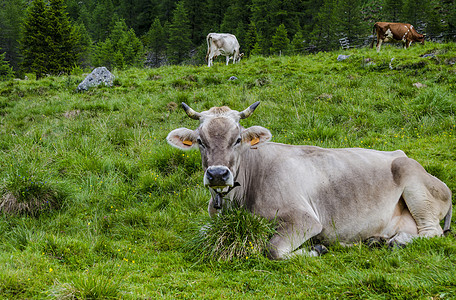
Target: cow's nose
x: 218, y: 176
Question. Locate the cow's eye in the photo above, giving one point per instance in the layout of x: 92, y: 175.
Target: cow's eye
x: 238, y: 141
x: 200, y: 142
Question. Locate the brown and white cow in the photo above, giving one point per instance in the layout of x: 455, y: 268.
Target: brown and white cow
x: 332, y: 195
x: 396, y: 32
x: 225, y: 44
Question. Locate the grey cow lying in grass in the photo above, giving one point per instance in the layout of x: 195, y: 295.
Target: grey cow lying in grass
x: 333, y: 195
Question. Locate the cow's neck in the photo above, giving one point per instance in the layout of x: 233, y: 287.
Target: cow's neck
x: 245, y: 176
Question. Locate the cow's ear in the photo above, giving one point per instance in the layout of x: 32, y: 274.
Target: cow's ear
x: 182, y: 138
x: 255, y: 135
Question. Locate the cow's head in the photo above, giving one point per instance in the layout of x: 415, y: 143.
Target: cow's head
x: 420, y: 38
x: 238, y: 59
x: 220, y: 139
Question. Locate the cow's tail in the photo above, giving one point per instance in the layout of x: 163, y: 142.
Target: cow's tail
x: 374, y: 33
x: 208, y: 40
x: 447, y: 222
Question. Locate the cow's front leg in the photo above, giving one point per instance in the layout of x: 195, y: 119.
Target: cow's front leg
x: 379, y: 44
x: 292, y: 233
x: 227, y: 60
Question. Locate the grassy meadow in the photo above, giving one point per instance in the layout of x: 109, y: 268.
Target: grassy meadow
x: 96, y: 205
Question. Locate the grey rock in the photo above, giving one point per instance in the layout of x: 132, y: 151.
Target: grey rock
x: 391, y: 63
x: 98, y: 76
x: 233, y: 78
x: 342, y: 57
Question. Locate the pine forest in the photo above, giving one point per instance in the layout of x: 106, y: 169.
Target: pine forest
x: 52, y: 37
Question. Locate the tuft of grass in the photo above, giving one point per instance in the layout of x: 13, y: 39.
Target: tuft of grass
x: 30, y: 196
x: 86, y: 286
x: 234, y: 234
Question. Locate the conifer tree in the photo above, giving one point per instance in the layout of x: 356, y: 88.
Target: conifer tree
x: 12, y: 13
x: 49, y: 42
x: 450, y: 17
x: 33, y: 42
x: 265, y: 15
x: 196, y: 20
x: 214, y: 15
x: 350, y: 18
x: 280, y: 41
x: 252, y: 40
x: 415, y: 12
x: 6, y: 72
x: 62, y: 39
x: 324, y: 32
x: 392, y: 10
x: 155, y: 42
x: 122, y: 48
x: 84, y: 46
x: 103, y: 19
x: 179, y: 35
x: 236, y: 20
x: 434, y: 24
x: 297, y: 44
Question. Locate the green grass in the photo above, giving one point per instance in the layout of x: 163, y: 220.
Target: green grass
x: 121, y: 202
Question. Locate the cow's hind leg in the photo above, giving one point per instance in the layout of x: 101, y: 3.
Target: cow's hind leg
x: 292, y: 232
x: 427, y: 198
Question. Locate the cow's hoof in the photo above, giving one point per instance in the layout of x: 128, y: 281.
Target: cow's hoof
x: 393, y: 245
x: 374, y: 242
x: 320, y: 249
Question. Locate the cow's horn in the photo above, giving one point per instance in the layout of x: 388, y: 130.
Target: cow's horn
x: 190, y: 112
x: 248, y: 111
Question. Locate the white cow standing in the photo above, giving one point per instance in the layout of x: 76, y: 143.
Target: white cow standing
x: 225, y: 44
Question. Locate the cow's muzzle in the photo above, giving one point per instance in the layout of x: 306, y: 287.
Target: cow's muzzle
x: 218, y: 177
x: 218, y: 200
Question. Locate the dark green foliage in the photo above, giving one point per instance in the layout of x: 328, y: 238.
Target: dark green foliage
x: 33, y: 43
x: 179, y: 42
x: 6, y: 72
x: 49, y: 42
x: 415, y: 12
x: 350, y: 18
x: 280, y: 41
x: 155, y: 43
x: 122, y: 48
x: 393, y: 10
x: 84, y: 46
x: 297, y: 44
x: 253, y: 41
x: 11, y: 16
x: 181, y: 27
x: 326, y: 26
x: 102, y: 21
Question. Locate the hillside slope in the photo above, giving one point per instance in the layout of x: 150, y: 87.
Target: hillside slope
x: 95, y: 204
